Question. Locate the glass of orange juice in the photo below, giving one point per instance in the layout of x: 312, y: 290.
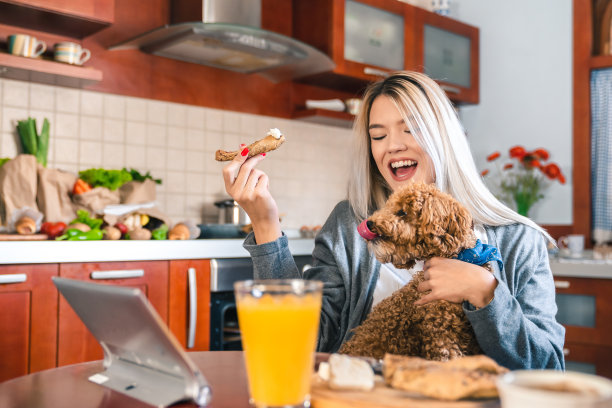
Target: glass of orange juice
x: 279, y: 323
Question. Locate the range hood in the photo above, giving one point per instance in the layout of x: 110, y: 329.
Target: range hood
x: 228, y: 35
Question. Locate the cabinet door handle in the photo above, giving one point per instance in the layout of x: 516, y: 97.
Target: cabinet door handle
x: 375, y: 72
x: 562, y: 284
x: 13, y: 278
x: 121, y: 274
x: 566, y: 351
x: 450, y: 89
x: 193, y: 307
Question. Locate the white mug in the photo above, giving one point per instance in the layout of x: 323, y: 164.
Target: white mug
x: 25, y: 45
x: 573, y: 243
x: 71, y: 53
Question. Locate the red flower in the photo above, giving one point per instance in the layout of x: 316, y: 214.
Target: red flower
x: 561, y: 178
x: 518, y: 152
x: 484, y: 172
x: 552, y: 171
x: 493, y: 156
x: 541, y: 153
x: 508, y: 166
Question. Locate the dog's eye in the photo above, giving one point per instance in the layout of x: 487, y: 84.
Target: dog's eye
x: 400, y: 213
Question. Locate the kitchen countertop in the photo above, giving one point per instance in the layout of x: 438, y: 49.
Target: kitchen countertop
x: 584, y: 267
x: 30, y: 252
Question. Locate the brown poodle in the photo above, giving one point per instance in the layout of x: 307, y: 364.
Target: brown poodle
x: 418, y: 222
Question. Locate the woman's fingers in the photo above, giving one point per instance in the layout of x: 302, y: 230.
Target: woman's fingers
x: 230, y: 171
x: 238, y: 171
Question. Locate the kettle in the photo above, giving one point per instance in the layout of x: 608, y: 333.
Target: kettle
x: 231, y: 213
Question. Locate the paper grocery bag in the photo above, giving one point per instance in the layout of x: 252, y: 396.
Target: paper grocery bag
x: 137, y: 192
x: 18, y: 182
x: 96, y: 199
x: 54, y: 194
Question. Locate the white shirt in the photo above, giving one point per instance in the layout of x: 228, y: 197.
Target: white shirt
x: 391, y: 278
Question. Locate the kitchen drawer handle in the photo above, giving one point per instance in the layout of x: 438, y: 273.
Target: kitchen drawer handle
x: 562, y: 284
x: 122, y: 274
x: 450, y: 89
x: 376, y: 72
x: 13, y: 278
x: 193, y: 307
x: 566, y: 351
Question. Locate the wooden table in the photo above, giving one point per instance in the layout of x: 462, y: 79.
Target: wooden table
x: 68, y: 386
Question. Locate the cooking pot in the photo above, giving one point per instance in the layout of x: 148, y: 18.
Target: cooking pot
x: 231, y: 213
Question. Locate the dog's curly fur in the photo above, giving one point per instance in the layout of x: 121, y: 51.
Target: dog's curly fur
x: 418, y: 222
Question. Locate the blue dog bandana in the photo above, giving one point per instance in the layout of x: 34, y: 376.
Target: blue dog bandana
x: 481, y: 254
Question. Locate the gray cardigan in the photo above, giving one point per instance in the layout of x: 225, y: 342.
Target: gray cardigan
x: 518, y: 328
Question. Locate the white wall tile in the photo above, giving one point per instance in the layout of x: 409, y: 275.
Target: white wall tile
x: 195, y: 139
x: 10, y: 116
x: 67, y: 100
x: 114, y: 106
x: 214, y: 119
x: 175, y: 182
x: 91, y: 103
x: 177, y: 115
x: 42, y: 97
x: 194, y: 161
x: 113, y: 155
x: 177, y: 137
x: 136, y: 156
x: 90, y: 154
x: 155, y: 135
x: 114, y: 130
x: 156, y: 158
x: 135, y: 133
x: 10, y: 146
x: 16, y: 94
x: 66, y: 150
x: 90, y: 128
x: 195, y: 117
x: 175, y: 159
x: 232, y: 122
x: 66, y: 125
x: 157, y: 112
x: 135, y: 109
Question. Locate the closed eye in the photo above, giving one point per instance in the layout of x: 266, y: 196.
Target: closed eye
x: 378, y: 137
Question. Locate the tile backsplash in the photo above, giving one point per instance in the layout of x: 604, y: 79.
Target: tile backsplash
x: 176, y: 142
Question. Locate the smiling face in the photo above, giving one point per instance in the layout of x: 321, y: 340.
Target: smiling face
x: 398, y: 156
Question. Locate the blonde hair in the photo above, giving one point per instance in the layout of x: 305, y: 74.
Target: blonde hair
x: 433, y: 121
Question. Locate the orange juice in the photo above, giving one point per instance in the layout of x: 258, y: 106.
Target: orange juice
x: 279, y: 331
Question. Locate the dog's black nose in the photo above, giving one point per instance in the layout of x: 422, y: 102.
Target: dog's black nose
x: 370, y: 225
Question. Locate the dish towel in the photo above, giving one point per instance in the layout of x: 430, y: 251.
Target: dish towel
x: 601, y: 154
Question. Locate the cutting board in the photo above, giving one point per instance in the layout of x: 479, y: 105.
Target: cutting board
x: 19, y: 237
x: 385, y: 397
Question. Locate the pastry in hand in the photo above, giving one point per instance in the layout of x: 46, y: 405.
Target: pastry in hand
x: 272, y: 141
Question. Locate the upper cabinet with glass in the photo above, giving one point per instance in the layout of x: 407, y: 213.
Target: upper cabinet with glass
x: 447, y: 50
x: 366, y: 39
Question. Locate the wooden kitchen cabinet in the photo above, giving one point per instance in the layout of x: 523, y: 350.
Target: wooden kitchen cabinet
x: 380, y: 48
x: 588, y: 358
x: 189, y: 303
x: 71, y: 18
x: 585, y: 309
x: 75, y: 343
x: 28, y: 321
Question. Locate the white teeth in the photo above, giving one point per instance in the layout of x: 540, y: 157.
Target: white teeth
x: 403, y: 163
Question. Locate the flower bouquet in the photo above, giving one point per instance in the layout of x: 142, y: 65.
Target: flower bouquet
x: 522, y: 181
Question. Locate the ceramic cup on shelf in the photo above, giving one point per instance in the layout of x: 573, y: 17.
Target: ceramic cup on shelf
x: 572, y: 245
x: 25, y: 45
x: 71, y: 53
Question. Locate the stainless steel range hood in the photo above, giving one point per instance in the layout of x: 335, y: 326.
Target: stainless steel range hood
x: 228, y: 35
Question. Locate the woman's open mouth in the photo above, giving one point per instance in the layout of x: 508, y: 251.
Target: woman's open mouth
x: 403, y: 169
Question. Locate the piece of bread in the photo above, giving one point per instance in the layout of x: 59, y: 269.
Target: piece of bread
x: 466, y: 377
x: 268, y: 143
x: 25, y: 226
x: 179, y: 231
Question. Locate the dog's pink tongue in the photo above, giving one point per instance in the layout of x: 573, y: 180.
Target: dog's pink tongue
x: 365, y: 232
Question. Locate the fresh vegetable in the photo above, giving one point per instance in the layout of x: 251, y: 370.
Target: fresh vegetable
x: 153, y: 223
x: 53, y: 229
x: 111, y: 233
x: 160, y: 232
x: 80, y: 226
x: 139, y: 234
x: 122, y: 228
x: 137, y: 176
x: 80, y: 187
x: 144, y: 219
x: 84, y: 217
x: 111, y: 179
x: 32, y: 142
x: 73, y: 234
x: 3, y: 160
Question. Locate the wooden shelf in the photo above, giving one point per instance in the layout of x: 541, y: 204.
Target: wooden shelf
x: 325, y: 117
x: 47, y: 72
x: 601, y: 61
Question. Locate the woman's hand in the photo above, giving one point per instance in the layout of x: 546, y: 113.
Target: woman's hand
x: 250, y: 188
x: 455, y: 281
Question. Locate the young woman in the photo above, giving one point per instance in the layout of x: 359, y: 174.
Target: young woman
x: 408, y: 131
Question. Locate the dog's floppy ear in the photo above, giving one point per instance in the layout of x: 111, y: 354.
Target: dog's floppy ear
x: 461, y: 225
